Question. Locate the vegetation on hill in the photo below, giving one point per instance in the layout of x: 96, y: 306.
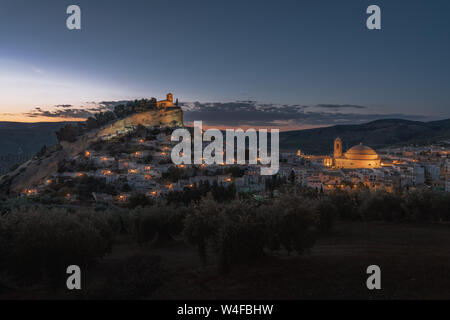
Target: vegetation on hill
x: 71, y: 131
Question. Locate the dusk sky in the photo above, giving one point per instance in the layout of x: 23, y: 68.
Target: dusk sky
x: 292, y: 64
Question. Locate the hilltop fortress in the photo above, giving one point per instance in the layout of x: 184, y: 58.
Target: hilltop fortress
x: 166, y: 103
x: 166, y: 114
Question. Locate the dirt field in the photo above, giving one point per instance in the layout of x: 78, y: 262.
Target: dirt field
x: 414, y: 262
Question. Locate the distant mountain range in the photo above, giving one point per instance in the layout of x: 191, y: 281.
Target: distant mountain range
x: 19, y: 140
x: 27, y: 138
x: 376, y: 134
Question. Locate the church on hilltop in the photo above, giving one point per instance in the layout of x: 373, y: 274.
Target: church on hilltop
x: 166, y: 103
x: 359, y: 156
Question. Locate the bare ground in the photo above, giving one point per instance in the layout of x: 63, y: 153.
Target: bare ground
x: 414, y: 262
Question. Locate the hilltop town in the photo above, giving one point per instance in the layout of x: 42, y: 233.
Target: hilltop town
x: 126, y: 155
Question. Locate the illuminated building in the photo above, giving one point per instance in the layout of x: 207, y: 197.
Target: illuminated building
x: 166, y: 103
x: 359, y: 156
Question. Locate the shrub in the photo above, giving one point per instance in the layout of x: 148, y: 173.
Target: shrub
x: 345, y: 203
x: 327, y: 215
x: 382, y: 206
x: 39, y: 243
x: 241, y: 236
x: 241, y: 232
x: 158, y: 225
x: 291, y: 223
x: 427, y: 206
x: 201, y: 225
x: 139, y: 200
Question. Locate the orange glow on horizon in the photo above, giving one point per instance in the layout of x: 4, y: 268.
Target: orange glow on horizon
x: 23, y: 118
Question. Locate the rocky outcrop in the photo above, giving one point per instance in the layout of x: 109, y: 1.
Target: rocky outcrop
x: 172, y: 116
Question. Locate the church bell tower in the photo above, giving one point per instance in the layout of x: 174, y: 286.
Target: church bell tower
x: 337, y: 148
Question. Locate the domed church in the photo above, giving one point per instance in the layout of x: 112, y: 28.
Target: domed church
x: 359, y: 156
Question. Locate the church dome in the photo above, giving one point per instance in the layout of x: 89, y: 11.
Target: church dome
x: 361, y: 152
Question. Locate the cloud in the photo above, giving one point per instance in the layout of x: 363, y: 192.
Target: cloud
x: 69, y: 111
x: 251, y: 113
x: 340, y: 106
x: 244, y: 114
x: 59, y: 113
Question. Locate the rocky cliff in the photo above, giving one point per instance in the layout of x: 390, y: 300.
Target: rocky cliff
x: 172, y: 116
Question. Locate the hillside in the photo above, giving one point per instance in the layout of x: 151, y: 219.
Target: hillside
x: 376, y: 134
x: 36, y: 169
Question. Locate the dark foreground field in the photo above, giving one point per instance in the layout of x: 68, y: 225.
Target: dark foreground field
x: 414, y: 261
